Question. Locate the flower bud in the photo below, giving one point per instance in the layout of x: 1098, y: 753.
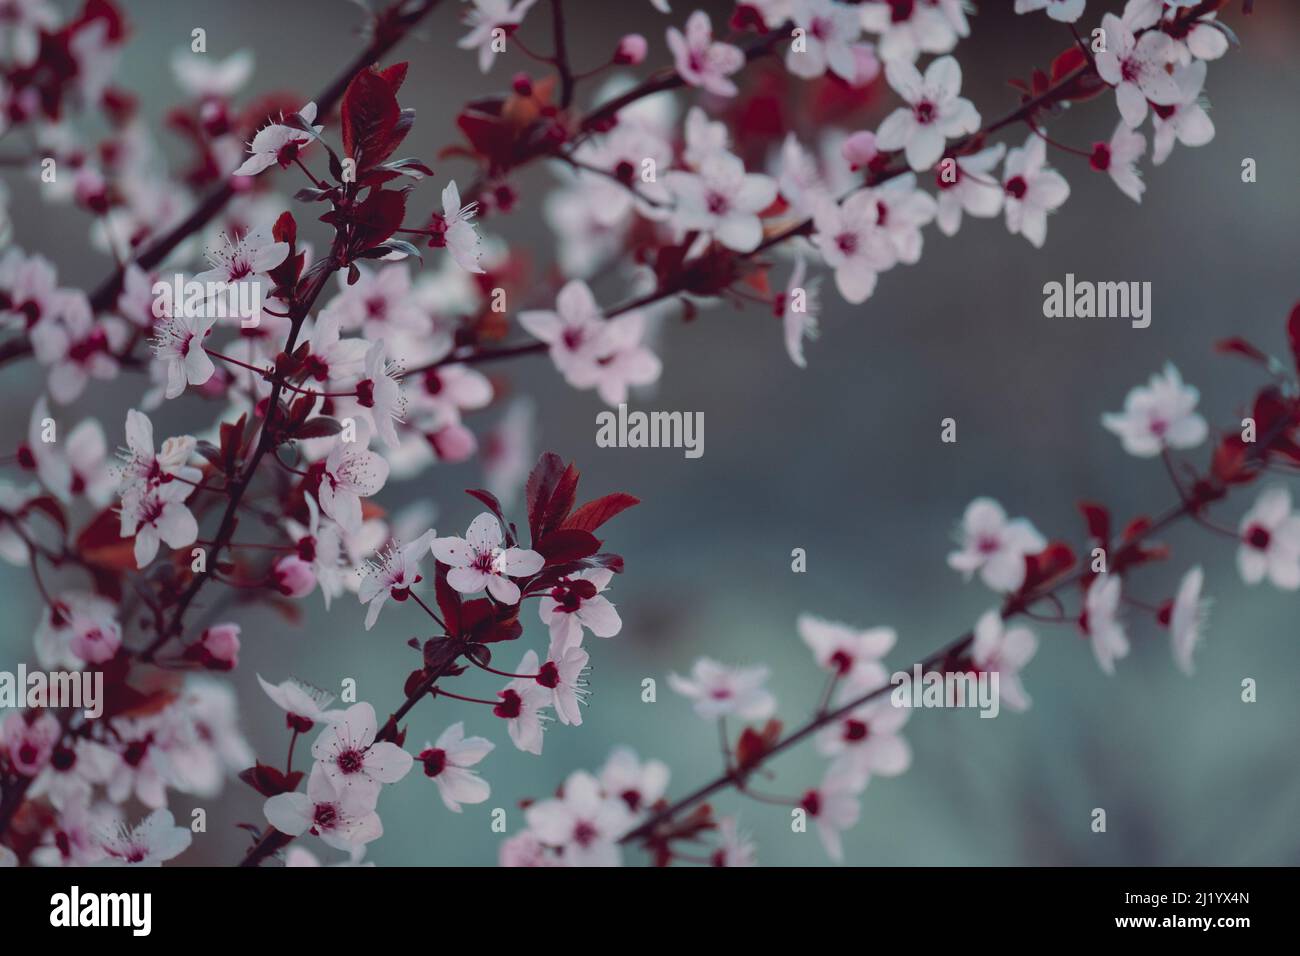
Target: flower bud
x: 220, y: 645
x: 294, y: 576
x: 859, y: 149
x: 631, y: 50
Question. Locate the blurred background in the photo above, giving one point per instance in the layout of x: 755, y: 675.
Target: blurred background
x: 844, y: 460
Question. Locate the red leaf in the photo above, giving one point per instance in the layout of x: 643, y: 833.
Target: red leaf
x: 377, y: 218
x: 754, y: 745
x: 449, y: 602
x: 1097, y: 518
x: 595, y: 513
x: 101, y: 543
x: 567, y: 544
x: 1051, y: 562
x: 369, y: 117
x: 1229, y: 465
x: 537, y: 492
x: 270, y: 782
x: 1066, y: 62
x: 1239, y: 346
x: 562, y: 498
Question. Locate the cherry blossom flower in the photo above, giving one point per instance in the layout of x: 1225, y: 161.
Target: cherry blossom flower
x: 721, y: 201
x: 74, y: 467
x: 702, y: 62
x: 735, y: 846
x: 575, y: 330
x: 834, y: 806
x: 1004, y: 651
x: 155, y: 515
x: 521, y: 706
x: 245, y: 259
x: 901, y: 211
x: 1203, y: 39
x: 1136, y: 65
x: 152, y: 842
x: 720, y: 691
x: 278, y: 145
x: 320, y: 545
x: 143, y: 768
x: 484, y: 19
x: 141, y: 465
x: 525, y: 849
x: 352, y: 759
x: 704, y: 138
x: 393, y: 574
x: 995, y: 546
x: 1185, y: 617
x: 199, y: 76
x: 934, y: 112
x: 448, y: 761
x: 907, y: 30
x: 332, y: 358
x: 563, y: 675
x: 74, y: 839
x: 448, y: 390
x: 625, y: 362
x: 78, y: 627
x: 866, y: 742
x: 1100, y: 621
x: 1270, y: 541
x: 76, y: 347
x: 304, y: 706
x: 1185, y: 121
x: 972, y: 187
x: 29, y: 745
x: 379, y: 393
x: 830, y: 31
x: 583, y: 822
x: 341, y: 817
x: 852, y: 243
x: 639, y: 784
x: 478, y: 561
x: 853, y: 656
x: 798, y: 324
x: 349, y: 475
x: 1063, y: 11
x: 381, y: 304
x: 576, y: 603
x: 1119, y: 158
x: 1159, y: 416
x: 454, y: 231
x: 1033, y: 189
x: 293, y: 577
x: 178, y: 342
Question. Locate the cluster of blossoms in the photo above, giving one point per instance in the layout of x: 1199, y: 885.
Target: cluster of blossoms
x: 338, y: 369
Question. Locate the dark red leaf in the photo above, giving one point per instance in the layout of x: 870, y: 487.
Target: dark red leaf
x: 595, y: 513
x: 1293, y: 333
x: 1239, y: 346
x: 1048, y: 564
x: 1097, y: 518
x: 369, y: 116
x: 567, y: 544
x: 537, y: 492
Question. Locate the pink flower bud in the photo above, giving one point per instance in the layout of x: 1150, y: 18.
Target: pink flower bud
x: 631, y: 50
x: 294, y: 576
x: 522, y: 84
x: 221, y: 646
x: 859, y: 149
x: 453, y: 443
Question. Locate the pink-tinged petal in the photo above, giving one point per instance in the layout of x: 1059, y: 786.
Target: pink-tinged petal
x: 503, y: 589
x: 468, y: 580
x: 451, y: 551
x: 520, y: 562
x: 289, y: 813
x: 387, y: 762
x: 484, y: 534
